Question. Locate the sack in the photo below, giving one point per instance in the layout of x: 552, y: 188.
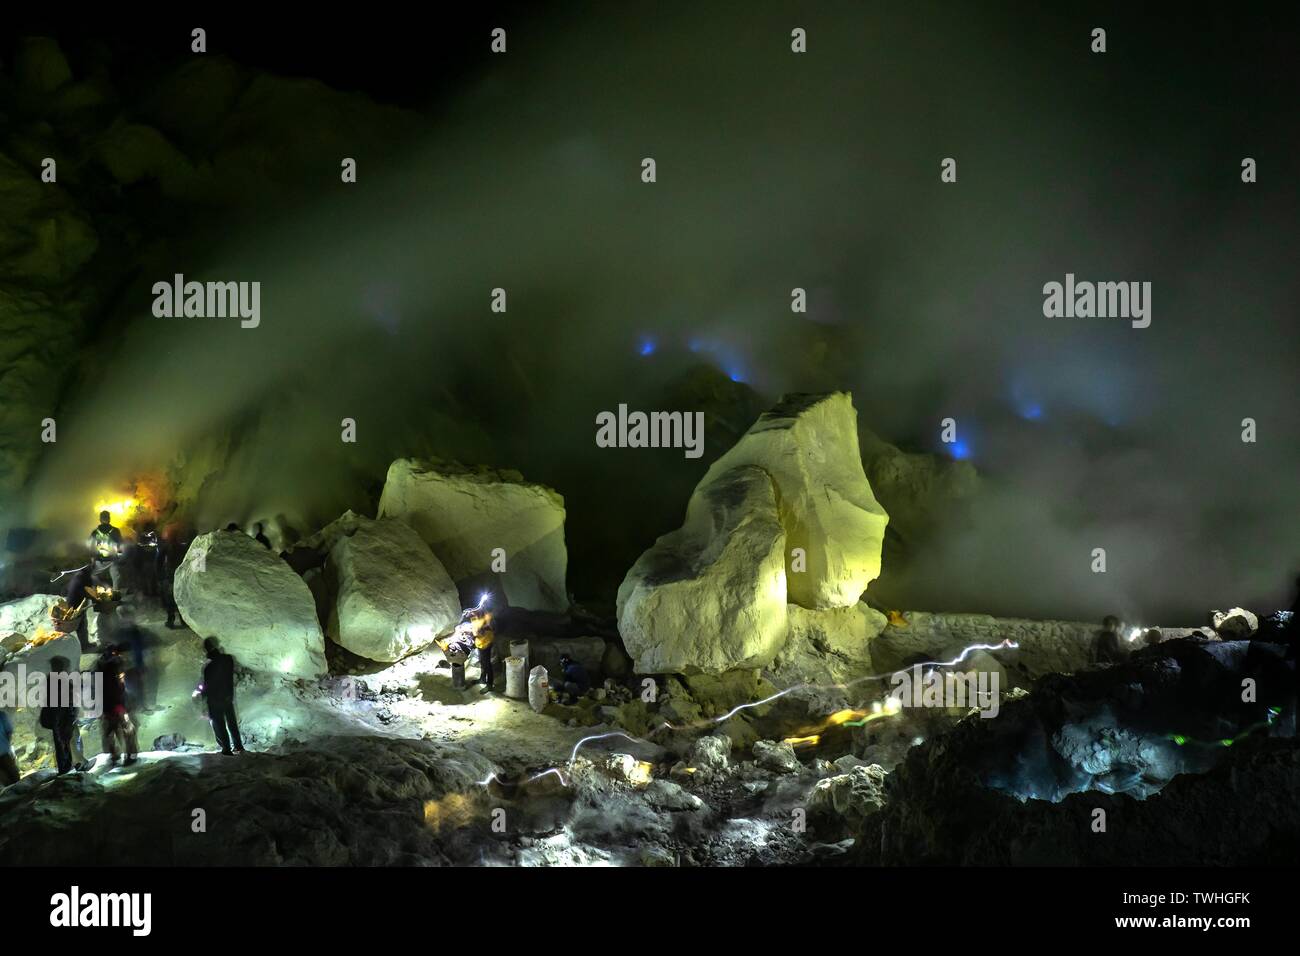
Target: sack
x: 539, y: 689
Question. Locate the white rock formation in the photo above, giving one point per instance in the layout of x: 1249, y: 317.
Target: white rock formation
x: 711, y: 596
x: 808, y: 444
x: 825, y: 652
x: 392, y: 596
x: 26, y: 616
x: 846, y: 632
x: 464, y: 515
x: 232, y: 588
x: 1236, y: 624
x: 1043, y: 647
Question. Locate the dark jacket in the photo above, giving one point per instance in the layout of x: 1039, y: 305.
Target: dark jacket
x: 59, y: 719
x: 108, y: 538
x: 114, y: 687
x: 575, y: 673
x: 219, y: 678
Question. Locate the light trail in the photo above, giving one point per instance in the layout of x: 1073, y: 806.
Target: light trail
x: 713, y: 721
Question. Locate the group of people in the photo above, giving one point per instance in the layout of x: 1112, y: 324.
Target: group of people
x: 476, y: 633
x: 123, y: 680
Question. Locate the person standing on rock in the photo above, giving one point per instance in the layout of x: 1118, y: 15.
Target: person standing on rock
x: 218, y: 690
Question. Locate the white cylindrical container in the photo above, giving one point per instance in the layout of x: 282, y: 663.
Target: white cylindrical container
x: 539, y: 689
x: 516, y: 678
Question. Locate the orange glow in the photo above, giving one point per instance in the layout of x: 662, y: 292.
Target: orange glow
x: 43, y: 634
x: 450, y: 813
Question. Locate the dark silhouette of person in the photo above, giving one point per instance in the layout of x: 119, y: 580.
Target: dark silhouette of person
x: 261, y: 538
x: 77, y: 585
x: 574, y: 682
x: 59, y: 716
x: 116, y: 726
x: 9, y: 773
x: 170, y: 555
x: 218, y: 689
x: 130, y: 636
x: 1106, y: 647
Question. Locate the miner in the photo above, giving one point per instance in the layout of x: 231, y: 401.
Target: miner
x: 170, y: 555
x: 59, y: 716
x: 574, y: 682
x: 116, y: 726
x: 105, y: 544
x: 218, y: 689
x: 483, y: 641
x: 1109, y: 646
x: 78, y: 591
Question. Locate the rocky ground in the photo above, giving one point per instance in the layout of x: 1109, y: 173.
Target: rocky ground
x: 396, y: 767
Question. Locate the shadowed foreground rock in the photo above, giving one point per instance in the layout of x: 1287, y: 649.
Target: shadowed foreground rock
x: 349, y: 801
x: 1219, y: 775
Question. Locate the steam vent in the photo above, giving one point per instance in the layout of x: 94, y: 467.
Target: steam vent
x: 765, y: 436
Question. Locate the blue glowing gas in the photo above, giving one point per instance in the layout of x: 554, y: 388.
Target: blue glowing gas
x: 647, y: 346
x: 959, y: 450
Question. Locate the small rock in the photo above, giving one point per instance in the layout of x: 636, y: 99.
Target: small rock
x: 652, y: 855
x: 711, y: 753
x: 1236, y: 624
x: 777, y: 757
x: 666, y: 795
